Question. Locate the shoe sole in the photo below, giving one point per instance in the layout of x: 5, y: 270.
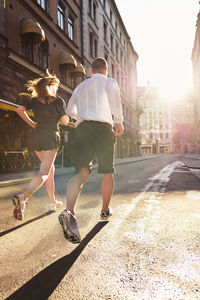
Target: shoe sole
x: 17, y: 213
x: 70, y: 236
x: 106, y: 218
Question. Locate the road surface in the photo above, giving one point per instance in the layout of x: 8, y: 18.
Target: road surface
x: 149, y: 249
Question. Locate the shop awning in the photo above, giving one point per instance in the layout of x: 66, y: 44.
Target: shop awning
x: 79, y: 71
x: 68, y: 60
x: 29, y: 26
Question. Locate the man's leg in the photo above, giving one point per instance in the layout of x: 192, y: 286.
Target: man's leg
x: 74, y: 187
x: 107, y: 188
x: 67, y: 218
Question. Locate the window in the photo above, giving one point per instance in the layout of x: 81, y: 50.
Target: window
x: 167, y: 135
x: 120, y: 35
x: 161, y: 135
x: 106, y: 56
x: 118, y: 77
x: 94, y: 11
x: 111, y: 14
x: 117, y: 50
x: 61, y: 16
x: 42, y: 3
x: 43, y: 53
x: 70, y: 28
x: 36, y: 53
x: 90, y: 7
x: 121, y: 58
x: 111, y: 42
x: 95, y: 48
x: 116, y: 26
x: 104, y: 30
x: 27, y: 48
x: 66, y: 76
x: 93, y: 45
x: 113, y: 71
x: 104, y: 3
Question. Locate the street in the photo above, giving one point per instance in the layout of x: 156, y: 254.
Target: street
x: 149, y: 248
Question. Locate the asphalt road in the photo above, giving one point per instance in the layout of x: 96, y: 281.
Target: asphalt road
x: 149, y: 249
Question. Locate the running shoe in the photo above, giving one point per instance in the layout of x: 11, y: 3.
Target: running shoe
x: 54, y: 205
x: 106, y: 214
x: 20, y: 204
x: 69, y: 226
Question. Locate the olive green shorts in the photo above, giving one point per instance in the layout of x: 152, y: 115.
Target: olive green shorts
x: 94, y: 140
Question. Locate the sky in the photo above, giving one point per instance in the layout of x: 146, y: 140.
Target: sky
x: 162, y: 33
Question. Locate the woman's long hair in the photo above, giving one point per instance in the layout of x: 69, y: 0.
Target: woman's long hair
x: 39, y: 88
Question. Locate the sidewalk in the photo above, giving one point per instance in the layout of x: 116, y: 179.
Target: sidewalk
x: 22, y: 177
x: 192, y: 161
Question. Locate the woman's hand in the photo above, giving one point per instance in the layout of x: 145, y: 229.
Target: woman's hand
x: 33, y: 124
x: 64, y: 120
x: 21, y: 111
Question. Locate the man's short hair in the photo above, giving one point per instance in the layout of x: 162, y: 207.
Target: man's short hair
x: 99, y: 64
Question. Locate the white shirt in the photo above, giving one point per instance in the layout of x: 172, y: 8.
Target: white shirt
x: 96, y: 99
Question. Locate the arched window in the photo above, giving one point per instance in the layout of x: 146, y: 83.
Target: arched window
x: 34, y: 45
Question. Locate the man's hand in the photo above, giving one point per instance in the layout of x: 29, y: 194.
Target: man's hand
x: 119, y: 129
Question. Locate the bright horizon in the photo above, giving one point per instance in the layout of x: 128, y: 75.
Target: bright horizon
x: 162, y: 33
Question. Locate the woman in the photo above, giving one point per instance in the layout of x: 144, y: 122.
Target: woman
x: 48, y: 109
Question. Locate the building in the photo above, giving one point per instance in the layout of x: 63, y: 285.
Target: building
x: 36, y: 37
x: 104, y: 35
x: 196, y: 78
x: 155, y: 123
x: 184, y: 133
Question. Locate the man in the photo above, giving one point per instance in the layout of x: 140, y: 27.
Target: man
x: 93, y: 103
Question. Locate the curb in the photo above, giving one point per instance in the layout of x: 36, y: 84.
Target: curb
x: 66, y: 171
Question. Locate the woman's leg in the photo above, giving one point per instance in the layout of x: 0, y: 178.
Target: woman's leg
x: 49, y: 183
x: 47, y: 161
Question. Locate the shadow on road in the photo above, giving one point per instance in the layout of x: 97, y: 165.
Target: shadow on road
x: 25, y: 223
x: 42, y: 285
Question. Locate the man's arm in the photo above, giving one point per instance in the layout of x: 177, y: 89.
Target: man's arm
x: 71, y: 109
x: 115, y: 105
x: 119, y: 129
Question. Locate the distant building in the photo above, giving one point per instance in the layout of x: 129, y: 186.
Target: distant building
x: 184, y: 128
x: 155, y: 123
x: 105, y: 35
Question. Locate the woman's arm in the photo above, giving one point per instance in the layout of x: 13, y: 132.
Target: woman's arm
x: 21, y: 111
x: 64, y: 120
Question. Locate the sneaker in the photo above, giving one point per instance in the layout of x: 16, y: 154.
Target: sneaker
x: 106, y: 214
x: 20, y: 204
x: 54, y: 205
x: 69, y: 225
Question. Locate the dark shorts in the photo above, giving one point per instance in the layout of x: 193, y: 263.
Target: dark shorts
x: 42, y: 140
x: 94, y: 139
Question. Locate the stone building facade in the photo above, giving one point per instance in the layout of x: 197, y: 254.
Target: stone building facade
x: 105, y: 35
x: 63, y: 37
x: 196, y: 77
x: 36, y: 37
